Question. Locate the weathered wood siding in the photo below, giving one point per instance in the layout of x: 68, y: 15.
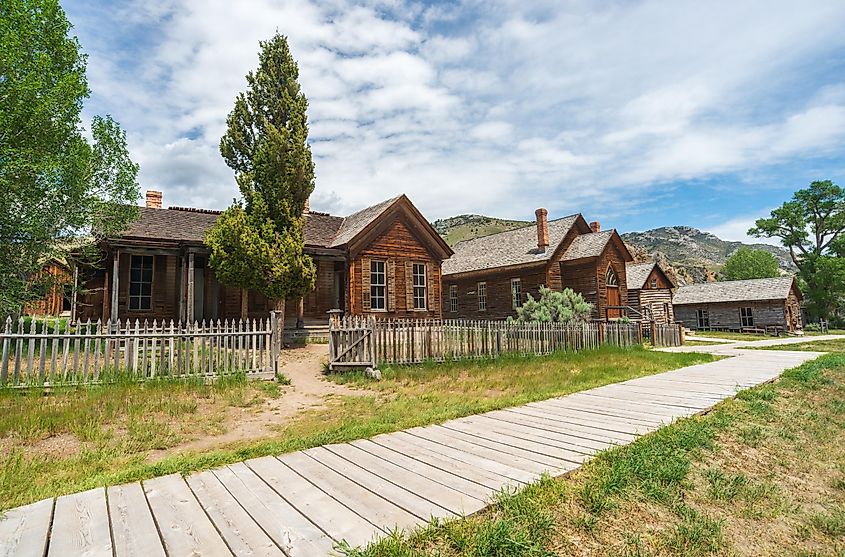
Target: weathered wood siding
x: 727, y: 315
x: 399, y: 248
x: 658, y: 300
x: 588, y: 278
x: 499, y: 297
x: 56, y: 278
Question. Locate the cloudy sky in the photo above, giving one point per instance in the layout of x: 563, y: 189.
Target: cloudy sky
x: 639, y: 114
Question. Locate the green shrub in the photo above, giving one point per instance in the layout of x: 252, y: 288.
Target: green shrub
x: 555, y: 307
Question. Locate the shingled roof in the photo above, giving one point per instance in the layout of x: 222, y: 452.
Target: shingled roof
x: 735, y: 291
x: 512, y: 247
x: 178, y: 224
x: 588, y: 245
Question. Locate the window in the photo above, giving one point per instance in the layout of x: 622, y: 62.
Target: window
x: 516, y: 293
x: 654, y: 283
x: 378, y: 286
x: 419, y: 286
x: 703, y: 318
x: 610, y: 277
x: 482, y: 296
x: 453, y: 298
x: 746, y: 317
x: 141, y: 282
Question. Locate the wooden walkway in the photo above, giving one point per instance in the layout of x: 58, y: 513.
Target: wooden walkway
x: 301, y: 504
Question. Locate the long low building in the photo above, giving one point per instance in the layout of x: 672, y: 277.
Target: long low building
x: 740, y: 304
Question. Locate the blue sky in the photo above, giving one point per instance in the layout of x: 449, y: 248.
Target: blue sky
x: 638, y: 114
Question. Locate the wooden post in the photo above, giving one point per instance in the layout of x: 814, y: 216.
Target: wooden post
x: 115, y: 280
x: 182, y: 285
x: 189, y: 317
x: 300, y: 313
x: 73, y: 294
x: 244, y: 303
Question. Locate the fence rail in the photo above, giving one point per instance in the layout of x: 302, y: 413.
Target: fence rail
x: 49, y: 353
x: 368, y: 342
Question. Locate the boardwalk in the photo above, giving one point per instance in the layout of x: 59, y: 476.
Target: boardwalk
x: 301, y: 504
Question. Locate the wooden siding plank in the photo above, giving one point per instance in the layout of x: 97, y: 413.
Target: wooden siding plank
x: 81, y: 525
x: 184, y: 526
x: 241, y: 533
x: 321, y: 509
x: 290, y: 529
x: 560, y: 417
x: 24, y: 530
x: 133, y: 529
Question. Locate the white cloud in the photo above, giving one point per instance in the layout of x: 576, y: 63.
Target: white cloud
x: 736, y: 230
x: 498, y: 107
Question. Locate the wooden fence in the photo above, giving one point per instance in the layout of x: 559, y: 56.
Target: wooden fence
x: 664, y: 335
x: 48, y: 353
x: 368, y: 342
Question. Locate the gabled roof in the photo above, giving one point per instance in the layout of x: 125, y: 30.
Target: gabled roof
x: 355, y: 223
x: 512, y: 247
x: 735, y: 291
x: 174, y: 224
x: 637, y: 273
x: 588, y: 245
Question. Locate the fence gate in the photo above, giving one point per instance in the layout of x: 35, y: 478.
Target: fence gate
x: 351, y: 342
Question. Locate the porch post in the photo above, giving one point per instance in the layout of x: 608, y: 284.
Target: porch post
x: 300, y: 313
x: 115, y: 289
x: 73, y: 293
x: 183, y: 277
x: 190, y: 314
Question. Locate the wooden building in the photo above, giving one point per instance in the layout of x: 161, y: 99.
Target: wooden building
x: 490, y: 277
x: 53, y: 282
x: 385, y: 259
x: 650, y: 292
x: 740, y: 305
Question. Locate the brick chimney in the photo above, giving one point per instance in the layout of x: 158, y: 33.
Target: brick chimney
x: 595, y: 226
x: 307, y: 208
x: 542, y: 228
x: 153, y: 199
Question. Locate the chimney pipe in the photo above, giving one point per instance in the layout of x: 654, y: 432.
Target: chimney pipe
x: 595, y: 226
x: 542, y: 229
x: 153, y: 199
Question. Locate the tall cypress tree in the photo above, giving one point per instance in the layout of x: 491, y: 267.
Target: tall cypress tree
x: 258, y: 242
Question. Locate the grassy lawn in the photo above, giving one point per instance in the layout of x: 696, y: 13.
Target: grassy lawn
x: 728, y: 335
x: 693, y: 342
x: 832, y: 345
x: 762, y: 474
x: 104, y: 435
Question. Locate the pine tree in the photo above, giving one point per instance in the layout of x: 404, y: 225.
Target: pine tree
x: 258, y: 242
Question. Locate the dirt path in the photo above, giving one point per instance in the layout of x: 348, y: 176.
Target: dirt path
x: 309, y: 389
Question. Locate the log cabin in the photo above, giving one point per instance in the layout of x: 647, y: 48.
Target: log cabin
x: 384, y: 260
x: 650, y: 292
x: 53, y: 283
x: 490, y: 277
x: 740, y: 305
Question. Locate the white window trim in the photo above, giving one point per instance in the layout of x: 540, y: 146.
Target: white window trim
x: 478, y: 288
x: 453, y: 298
x: 745, y: 318
x: 700, y: 314
x: 384, y: 285
x: 130, y: 282
x: 516, y: 293
x: 424, y: 286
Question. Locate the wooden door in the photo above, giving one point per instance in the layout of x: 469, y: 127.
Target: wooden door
x: 611, y: 283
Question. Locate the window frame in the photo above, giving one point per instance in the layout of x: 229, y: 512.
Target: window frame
x: 374, y: 263
x: 610, y: 277
x: 654, y: 283
x: 746, y: 316
x: 516, y: 293
x: 420, y: 291
x: 140, y: 296
x: 702, y: 318
x: 482, y: 298
x: 453, y: 298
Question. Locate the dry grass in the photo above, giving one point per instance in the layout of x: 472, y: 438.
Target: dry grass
x: 763, y: 474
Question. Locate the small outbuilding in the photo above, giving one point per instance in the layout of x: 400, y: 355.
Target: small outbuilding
x: 650, y: 292
x: 741, y: 305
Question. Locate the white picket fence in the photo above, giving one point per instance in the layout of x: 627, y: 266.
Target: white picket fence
x: 47, y: 353
x: 368, y: 342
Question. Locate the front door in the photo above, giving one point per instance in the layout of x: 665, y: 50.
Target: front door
x: 340, y: 290
x: 612, y: 284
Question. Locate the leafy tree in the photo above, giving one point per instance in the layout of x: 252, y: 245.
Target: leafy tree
x: 55, y: 185
x: 749, y: 263
x: 258, y: 242
x: 555, y: 307
x: 811, y: 225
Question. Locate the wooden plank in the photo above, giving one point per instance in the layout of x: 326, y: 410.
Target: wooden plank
x: 327, y: 513
x: 589, y: 407
x: 133, y: 528
x: 81, y: 525
x: 293, y: 532
x: 375, y: 509
x: 579, y: 433
x: 184, y: 526
x: 397, y: 491
x: 241, y: 533
x: 572, y: 449
x: 451, y: 479
x: 24, y: 530
x: 560, y: 415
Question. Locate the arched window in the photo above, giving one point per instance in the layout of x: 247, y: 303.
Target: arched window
x: 610, y: 277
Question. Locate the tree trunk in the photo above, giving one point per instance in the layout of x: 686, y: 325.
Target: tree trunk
x: 244, y: 303
x: 279, y: 309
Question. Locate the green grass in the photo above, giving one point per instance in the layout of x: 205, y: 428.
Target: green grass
x: 832, y: 345
x: 691, y: 488
x: 405, y: 397
x: 729, y: 335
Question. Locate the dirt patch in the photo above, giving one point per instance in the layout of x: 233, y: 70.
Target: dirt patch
x: 308, y: 390
x: 58, y: 446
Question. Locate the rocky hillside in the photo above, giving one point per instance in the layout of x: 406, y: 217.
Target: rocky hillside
x: 688, y: 254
